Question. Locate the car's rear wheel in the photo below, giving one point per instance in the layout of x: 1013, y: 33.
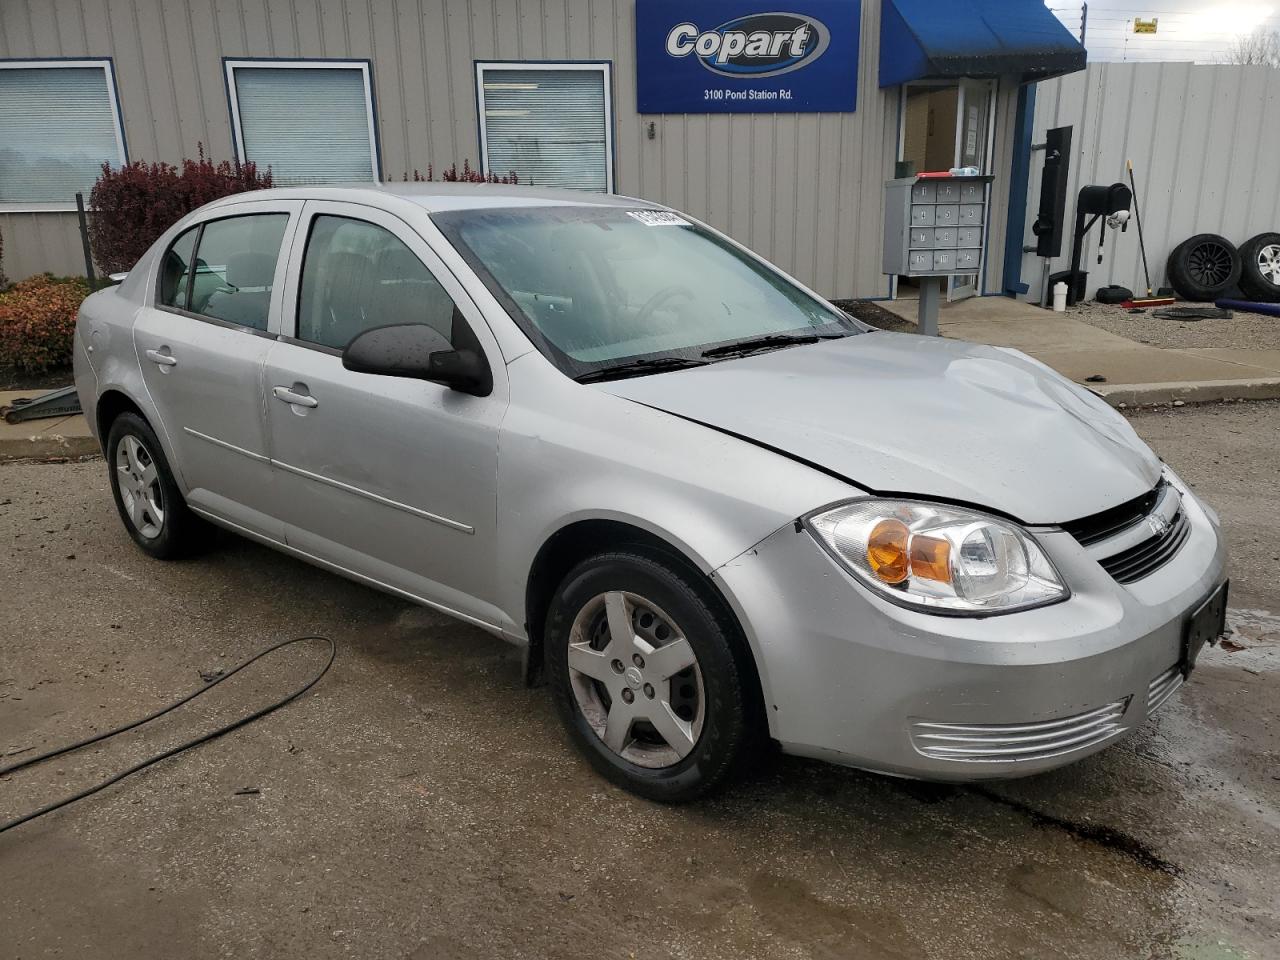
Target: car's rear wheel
x: 649, y: 676
x: 148, y: 499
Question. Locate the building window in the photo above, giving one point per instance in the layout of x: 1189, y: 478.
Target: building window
x: 59, y: 123
x: 310, y: 121
x: 550, y: 123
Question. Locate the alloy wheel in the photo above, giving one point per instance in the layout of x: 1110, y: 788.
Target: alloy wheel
x: 1209, y: 263
x: 1269, y: 263
x: 636, y: 679
x: 138, y: 479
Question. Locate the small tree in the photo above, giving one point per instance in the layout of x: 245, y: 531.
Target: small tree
x: 1259, y: 47
x: 133, y: 204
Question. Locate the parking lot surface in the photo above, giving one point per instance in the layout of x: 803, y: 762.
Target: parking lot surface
x: 421, y: 802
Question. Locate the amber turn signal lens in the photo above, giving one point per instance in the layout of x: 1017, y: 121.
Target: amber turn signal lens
x: 931, y: 559
x: 887, y: 550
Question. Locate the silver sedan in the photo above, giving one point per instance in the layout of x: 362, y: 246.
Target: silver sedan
x: 714, y: 509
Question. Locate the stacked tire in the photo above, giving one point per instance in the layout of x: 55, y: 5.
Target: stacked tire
x: 1208, y: 266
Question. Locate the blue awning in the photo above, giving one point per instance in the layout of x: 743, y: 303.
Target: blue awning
x: 941, y: 39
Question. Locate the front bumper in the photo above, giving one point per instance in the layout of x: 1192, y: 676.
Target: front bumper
x: 852, y: 678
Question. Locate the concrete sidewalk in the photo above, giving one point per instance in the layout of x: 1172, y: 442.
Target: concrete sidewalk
x: 1136, y: 372
x: 43, y: 439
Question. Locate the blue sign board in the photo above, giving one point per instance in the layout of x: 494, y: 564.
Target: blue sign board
x: 747, y: 56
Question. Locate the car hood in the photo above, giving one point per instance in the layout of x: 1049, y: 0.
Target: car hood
x: 904, y: 414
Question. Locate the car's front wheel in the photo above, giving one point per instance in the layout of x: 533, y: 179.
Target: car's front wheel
x: 649, y: 676
x: 145, y: 492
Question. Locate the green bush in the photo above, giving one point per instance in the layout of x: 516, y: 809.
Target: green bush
x: 38, y: 321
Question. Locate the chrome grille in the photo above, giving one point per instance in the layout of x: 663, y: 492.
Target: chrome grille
x: 1151, y: 554
x: 1003, y: 743
x: 1162, y: 688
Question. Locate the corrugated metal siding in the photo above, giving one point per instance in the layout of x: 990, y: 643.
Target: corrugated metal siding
x: 804, y: 190
x: 1203, y: 153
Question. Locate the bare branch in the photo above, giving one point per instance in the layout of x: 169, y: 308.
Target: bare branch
x: 1259, y: 47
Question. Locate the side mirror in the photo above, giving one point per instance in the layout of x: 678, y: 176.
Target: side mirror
x: 419, y: 352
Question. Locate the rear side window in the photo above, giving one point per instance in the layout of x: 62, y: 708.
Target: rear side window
x: 356, y: 276
x: 235, y: 267
x: 175, y: 272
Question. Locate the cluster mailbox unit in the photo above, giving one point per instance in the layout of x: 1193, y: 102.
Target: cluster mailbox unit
x: 933, y: 228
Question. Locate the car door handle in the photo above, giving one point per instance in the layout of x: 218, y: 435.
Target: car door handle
x: 155, y: 356
x: 297, y: 399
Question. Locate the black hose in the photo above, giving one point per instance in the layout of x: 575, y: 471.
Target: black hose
x: 203, y: 738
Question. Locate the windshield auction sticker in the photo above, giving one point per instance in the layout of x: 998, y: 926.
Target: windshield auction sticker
x: 658, y: 218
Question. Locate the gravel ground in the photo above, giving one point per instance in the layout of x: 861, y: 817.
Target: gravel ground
x: 1244, y: 331
x: 419, y: 802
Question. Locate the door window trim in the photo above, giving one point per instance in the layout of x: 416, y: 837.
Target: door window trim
x: 292, y: 211
x: 463, y: 302
x: 603, y: 67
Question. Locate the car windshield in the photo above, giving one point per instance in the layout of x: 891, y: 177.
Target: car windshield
x: 599, y: 287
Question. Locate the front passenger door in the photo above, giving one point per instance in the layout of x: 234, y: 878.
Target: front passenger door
x: 393, y: 479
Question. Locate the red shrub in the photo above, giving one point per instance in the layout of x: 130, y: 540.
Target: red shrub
x: 132, y: 205
x: 451, y: 175
x: 38, y: 321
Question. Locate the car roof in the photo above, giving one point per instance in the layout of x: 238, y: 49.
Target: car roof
x: 439, y: 197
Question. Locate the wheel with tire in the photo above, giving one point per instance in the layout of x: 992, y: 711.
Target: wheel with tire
x: 146, y: 495
x: 1260, y: 267
x: 650, y: 676
x: 1204, y: 267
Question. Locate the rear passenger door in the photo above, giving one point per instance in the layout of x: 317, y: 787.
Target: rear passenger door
x: 202, y: 340
x: 393, y: 479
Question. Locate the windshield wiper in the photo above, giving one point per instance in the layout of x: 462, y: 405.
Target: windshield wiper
x: 768, y: 342
x: 636, y: 368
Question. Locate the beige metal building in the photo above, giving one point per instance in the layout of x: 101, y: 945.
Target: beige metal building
x: 375, y: 89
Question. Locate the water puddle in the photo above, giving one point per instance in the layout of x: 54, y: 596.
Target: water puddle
x: 1252, y: 642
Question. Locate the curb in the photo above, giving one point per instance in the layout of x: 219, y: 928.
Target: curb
x: 47, y: 446
x: 1198, y: 391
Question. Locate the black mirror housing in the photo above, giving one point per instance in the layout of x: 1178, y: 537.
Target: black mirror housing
x: 418, y: 351
x: 462, y: 370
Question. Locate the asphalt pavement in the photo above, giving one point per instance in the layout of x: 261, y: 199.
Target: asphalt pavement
x: 420, y: 802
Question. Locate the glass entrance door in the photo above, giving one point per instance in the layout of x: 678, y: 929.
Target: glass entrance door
x: 945, y: 124
x: 973, y: 131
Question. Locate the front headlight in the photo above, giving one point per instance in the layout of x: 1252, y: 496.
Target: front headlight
x: 938, y: 558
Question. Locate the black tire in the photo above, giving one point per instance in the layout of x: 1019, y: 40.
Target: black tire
x: 1204, y: 267
x: 1260, y: 268
x: 179, y: 532
x: 729, y: 718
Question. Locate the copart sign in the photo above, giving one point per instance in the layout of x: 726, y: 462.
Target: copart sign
x: 726, y: 56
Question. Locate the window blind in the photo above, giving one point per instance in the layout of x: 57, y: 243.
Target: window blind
x: 57, y: 128
x: 308, y: 124
x: 548, y: 126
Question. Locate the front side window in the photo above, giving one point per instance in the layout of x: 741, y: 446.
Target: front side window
x: 310, y: 122
x: 548, y: 123
x: 356, y: 276
x: 235, y: 268
x: 596, y: 286
x: 59, y: 123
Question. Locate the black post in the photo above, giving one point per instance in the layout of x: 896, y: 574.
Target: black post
x: 84, y: 238
x: 1137, y: 213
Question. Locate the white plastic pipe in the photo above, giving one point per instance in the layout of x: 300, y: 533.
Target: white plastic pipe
x: 1059, y: 297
